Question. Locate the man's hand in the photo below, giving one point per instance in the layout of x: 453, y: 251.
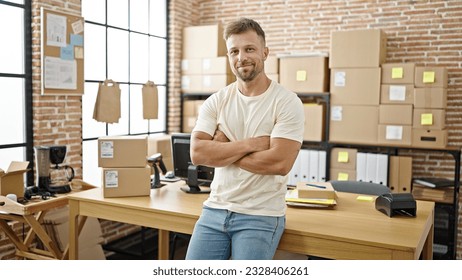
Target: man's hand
x: 220, y: 136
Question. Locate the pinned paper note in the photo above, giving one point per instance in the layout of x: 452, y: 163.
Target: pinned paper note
x: 428, y: 77
x: 342, y: 157
x: 342, y: 176
x: 397, y: 73
x: 301, y: 76
x: 426, y: 119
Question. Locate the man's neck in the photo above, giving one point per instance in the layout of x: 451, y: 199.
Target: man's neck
x: 255, y: 87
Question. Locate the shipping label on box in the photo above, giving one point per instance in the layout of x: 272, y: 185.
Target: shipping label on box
x: 397, y: 94
x: 399, y: 135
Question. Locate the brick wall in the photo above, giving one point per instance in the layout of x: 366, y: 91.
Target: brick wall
x: 425, y: 32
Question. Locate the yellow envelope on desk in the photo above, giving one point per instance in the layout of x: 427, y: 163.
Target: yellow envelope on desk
x: 292, y: 199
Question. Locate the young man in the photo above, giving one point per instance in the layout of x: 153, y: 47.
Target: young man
x: 251, y: 132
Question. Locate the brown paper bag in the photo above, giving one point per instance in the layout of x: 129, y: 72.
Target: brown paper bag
x: 107, y: 105
x: 150, y: 101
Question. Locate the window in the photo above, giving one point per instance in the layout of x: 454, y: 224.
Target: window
x: 15, y: 83
x: 125, y: 41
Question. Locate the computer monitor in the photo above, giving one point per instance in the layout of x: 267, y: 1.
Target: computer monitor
x: 198, y: 178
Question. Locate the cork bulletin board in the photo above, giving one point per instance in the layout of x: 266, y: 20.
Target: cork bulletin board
x: 62, y: 53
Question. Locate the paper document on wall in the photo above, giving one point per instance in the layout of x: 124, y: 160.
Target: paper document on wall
x: 60, y: 73
x: 56, y: 30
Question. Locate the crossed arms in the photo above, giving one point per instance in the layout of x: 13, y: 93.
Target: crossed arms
x: 261, y: 155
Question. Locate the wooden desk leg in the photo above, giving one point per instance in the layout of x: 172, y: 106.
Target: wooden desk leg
x: 73, y: 230
x: 41, y: 233
x: 427, y: 251
x: 164, y: 241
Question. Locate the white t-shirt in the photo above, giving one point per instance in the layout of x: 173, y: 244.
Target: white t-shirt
x: 277, y: 112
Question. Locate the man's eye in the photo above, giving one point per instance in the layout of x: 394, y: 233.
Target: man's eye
x: 250, y: 49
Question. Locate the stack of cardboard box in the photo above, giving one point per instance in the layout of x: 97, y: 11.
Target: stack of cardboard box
x: 430, y: 100
x: 355, y: 59
x: 204, y: 67
x: 343, y: 164
x: 123, y: 160
x: 272, y: 68
x: 190, y: 113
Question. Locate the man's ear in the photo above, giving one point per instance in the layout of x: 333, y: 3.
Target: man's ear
x: 266, y: 53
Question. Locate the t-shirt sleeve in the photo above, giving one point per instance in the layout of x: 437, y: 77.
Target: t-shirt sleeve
x: 207, y: 118
x: 290, y: 122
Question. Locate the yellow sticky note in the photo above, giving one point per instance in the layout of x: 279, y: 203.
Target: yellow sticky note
x: 301, y: 76
x: 397, y: 72
x: 426, y: 119
x: 364, y: 198
x: 342, y: 157
x: 428, y: 77
x: 342, y: 176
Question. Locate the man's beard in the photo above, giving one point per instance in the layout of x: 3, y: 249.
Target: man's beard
x: 247, y: 75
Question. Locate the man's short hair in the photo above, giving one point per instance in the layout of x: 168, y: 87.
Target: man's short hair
x: 242, y: 25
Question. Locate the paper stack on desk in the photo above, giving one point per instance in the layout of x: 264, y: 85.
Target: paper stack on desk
x: 314, y: 194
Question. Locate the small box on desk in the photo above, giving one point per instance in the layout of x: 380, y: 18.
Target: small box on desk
x: 316, y: 190
x: 122, y: 151
x: 122, y: 182
x: 12, y: 181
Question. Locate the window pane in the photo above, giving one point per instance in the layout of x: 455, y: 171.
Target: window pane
x: 117, y: 53
x: 94, y: 10
x: 12, y: 34
x: 137, y: 123
x: 139, y: 14
x: 12, y: 108
x: 117, y: 13
x: 95, y: 52
x: 158, y: 61
x: 160, y: 123
x: 139, y: 55
x: 90, y: 127
x: 91, y: 171
x: 11, y: 154
x: 158, y: 18
x: 121, y: 128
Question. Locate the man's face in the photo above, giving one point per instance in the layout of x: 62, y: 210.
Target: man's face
x: 246, y: 53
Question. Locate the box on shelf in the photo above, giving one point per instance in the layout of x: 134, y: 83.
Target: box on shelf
x: 205, y: 83
x: 203, y: 41
x: 342, y: 174
x: 122, y: 151
x: 429, y: 118
x: 358, y: 48
x: 429, y: 138
x: 398, y: 73
x: 395, y: 134
x: 434, y: 98
x: 192, y: 66
x: 343, y: 158
x: 123, y: 182
x: 355, y: 86
x: 431, y: 77
x: 12, y: 181
x: 272, y: 65
x: 216, y: 66
x: 400, y: 114
x: 322, y: 190
x: 397, y: 94
x: 304, y: 74
x: 354, y: 124
x: 314, y: 122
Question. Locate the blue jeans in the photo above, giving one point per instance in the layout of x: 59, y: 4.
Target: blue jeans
x: 221, y: 234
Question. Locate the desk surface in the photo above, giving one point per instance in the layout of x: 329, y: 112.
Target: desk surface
x: 353, y: 230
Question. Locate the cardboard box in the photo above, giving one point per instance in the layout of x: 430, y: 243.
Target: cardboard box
x: 434, y: 98
x: 216, y: 66
x: 358, y: 48
x: 189, y: 122
x: 12, y: 181
x: 191, y: 83
x: 161, y: 143
x: 122, y: 182
x: 355, y: 86
x: 395, y: 134
x: 343, y: 158
x: 192, y: 66
x: 431, y: 77
x: 314, y: 122
x: 203, y: 41
x: 304, y: 74
x: 122, y: 151
x: 395, y: 114
x: 213, y: 83
x: 398, y: 73
x: 429, y: 118
x: 354, y: 124
x: 427, y: 138
x: 272, y: 65
x: 400, y: 174
x: 397, y: 94
x: 323, y: 190
x: 342, y: 174
x: 192, y: 107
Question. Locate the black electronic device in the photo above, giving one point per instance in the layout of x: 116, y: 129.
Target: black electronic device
x: 392, y: 204
x: 198, y: 178
x: 156, y: 162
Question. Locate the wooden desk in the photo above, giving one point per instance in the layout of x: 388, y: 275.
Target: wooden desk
x: 354, y: 230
